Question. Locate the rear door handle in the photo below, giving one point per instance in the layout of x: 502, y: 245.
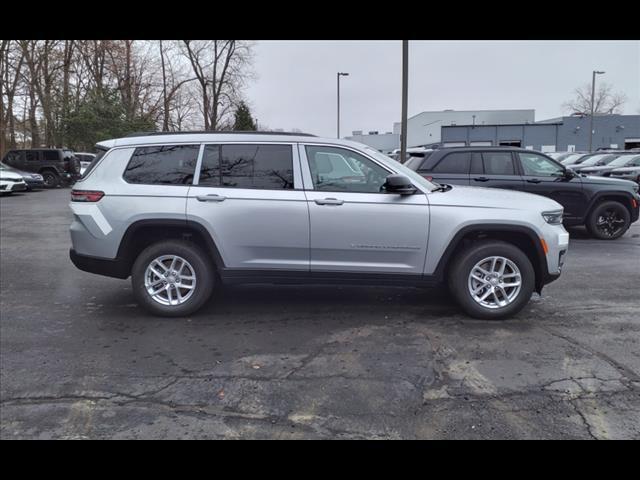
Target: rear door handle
x: 211, y: 198
x: 328, y: 201
x: 533, y: 180
x: 481, y: 179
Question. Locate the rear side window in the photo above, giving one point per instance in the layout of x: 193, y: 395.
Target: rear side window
x: 94, y: 162
x: 267, y: 167
x: 50, y: 156
x: 498, y: 163
x: 31, y: 156
x: 163, y: 165
x: 454, y: 163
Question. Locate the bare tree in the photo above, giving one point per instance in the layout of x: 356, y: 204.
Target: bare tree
x: 606, y: 101
x: 220, y: 68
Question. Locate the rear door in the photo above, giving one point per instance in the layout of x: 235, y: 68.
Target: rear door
x: 249, y: 197
x: 495, y: 169
x: 453, y: 168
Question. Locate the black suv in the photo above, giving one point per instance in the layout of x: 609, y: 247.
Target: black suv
x: 56, y: 165
x: 606, y: 206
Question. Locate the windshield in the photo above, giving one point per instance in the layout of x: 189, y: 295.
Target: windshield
x: 622, y: 160
x: 571, y: 158
x: 416, y: 178
x: 596, y: 159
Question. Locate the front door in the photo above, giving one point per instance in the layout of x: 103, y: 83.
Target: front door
x: 495, y: 169
x: 354, y: 226
x: 543, y: 176
x: 251, y: 201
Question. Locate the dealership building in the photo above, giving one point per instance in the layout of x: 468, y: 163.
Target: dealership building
x: 508, y: 127
x: 425, y: 127
x: 564, y: 134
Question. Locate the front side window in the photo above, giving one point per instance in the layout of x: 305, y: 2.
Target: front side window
x: 336, y: 169
x: 538, y: 165
x: 267, y: 167
x: 162, y: 165
x: 50, y: 156
x: 454, y: 163
x: 498, y: 163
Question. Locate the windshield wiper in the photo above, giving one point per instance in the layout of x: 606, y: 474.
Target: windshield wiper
x: 442, y: 188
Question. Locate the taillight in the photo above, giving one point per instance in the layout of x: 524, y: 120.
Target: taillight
x: 86, y: 195
x: 428, y: 177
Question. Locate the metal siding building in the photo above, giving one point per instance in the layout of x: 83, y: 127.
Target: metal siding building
x: 425, y: 127
x: 565, y: 134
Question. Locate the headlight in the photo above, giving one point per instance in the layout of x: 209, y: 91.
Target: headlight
x: 553, y: 218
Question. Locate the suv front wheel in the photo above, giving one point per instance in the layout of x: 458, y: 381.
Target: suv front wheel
x: 492, y: 280
x: 172, y: 278
x: 609, y: 220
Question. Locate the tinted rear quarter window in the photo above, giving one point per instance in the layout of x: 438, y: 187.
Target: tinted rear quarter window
x: 50, y: 155
x: 162, y: 165
x: 454, y: 163
x: 498, y: 163
x: 267, y: 167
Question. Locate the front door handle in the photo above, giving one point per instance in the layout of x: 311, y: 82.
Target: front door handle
x: 481, y: 179
x: 211, y: 198
x: 534, y: 180
x: 328, y: 201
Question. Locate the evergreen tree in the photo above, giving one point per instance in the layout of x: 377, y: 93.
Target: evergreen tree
x: 101, y: 116
x: 243, y: 119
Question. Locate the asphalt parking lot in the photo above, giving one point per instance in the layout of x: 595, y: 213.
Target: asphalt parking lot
x: 79, y: 359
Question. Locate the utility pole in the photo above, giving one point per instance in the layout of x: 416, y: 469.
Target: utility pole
x: 405, y: 84
x: 593, y: 94
x: 340, y: 74
x: 165, y: 117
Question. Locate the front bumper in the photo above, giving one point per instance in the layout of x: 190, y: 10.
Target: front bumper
x: 16, y: 187
x: 556, y: 239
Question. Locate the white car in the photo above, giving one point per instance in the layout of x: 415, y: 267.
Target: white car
x: 11, y: 182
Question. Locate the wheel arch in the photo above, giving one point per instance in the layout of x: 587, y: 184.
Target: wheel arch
x: 144, y: 233
x: 525, y: 238
x: 625, y: 198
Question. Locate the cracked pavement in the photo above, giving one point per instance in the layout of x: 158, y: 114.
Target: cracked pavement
x: 79, y: 359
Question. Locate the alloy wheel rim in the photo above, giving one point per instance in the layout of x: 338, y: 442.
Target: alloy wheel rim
x: 494, y: 282
x: 610, y: 222
x: 170, y: 280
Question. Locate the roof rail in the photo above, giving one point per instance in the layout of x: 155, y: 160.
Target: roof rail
x: 233, y: 132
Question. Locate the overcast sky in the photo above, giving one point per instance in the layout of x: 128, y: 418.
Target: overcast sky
x: 296, y: 80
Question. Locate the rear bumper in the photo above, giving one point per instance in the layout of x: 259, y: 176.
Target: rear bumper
x: 102, y: 266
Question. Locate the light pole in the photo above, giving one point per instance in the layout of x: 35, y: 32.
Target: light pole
x: 340, y: 74
x: 593, y: 94
x: 405, y: 84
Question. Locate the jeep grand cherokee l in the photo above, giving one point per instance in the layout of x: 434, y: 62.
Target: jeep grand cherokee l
x: 180, y: 213
x: 606, y: 206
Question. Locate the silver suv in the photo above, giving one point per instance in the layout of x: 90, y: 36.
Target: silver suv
x: 181, y: 213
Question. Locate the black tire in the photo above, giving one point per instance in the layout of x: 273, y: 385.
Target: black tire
x: 608, y: 220
x: 204, y: 272
x: 458, y: 278
x: 51, y: 179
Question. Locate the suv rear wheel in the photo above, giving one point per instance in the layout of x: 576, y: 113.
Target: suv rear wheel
x: 172, y: 278
x: 51, y: 179
x: 492, y: 280
x: 608, y: 220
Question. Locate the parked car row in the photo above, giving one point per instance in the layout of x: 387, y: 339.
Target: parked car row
x: 42, y: 168
x: 606, y: 206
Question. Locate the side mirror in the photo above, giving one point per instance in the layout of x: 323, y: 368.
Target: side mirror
x: 569, y: 173
x: 399, y: 184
